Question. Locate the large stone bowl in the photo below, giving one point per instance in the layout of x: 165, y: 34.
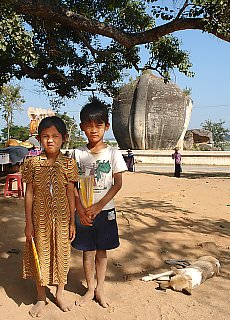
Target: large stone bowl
x: 149, y: 114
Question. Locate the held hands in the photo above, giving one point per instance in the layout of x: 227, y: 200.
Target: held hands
x: 83, y: 217
x: 93, y: 211
x: 87, y: 215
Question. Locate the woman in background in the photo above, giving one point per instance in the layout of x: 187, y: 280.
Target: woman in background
x: 177, y: 157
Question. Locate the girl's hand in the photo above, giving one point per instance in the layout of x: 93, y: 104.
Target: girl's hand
x: 72, y: 232
x: 29, y: 231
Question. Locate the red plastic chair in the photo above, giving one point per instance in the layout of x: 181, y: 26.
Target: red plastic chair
x: 9, y: 184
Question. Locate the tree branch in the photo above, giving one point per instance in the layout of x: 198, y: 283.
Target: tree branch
x: 175, y: 25
x: 185, y: 5
x: 77, y: 22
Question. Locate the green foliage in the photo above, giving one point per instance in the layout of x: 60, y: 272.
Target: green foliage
x: 165, y: 55
x: 111, y: 143
x: 187, y: 91
x: 73, y: 45
x: 216, y: 15
x: 75, y: 138
x: 218, y: 132
x: 16, y: 45
x: 16, y: 132
x: 10, y: 101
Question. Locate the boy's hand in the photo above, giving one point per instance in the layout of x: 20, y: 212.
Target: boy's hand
x: 84, y: 218
x: 81, y: 211
x: 93, y: 211
x: 72, y: 232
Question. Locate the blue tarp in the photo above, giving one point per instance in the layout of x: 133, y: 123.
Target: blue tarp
x: 16, y: 154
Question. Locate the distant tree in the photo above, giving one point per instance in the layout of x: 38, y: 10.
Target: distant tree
x: 16, y: 132
x: 111, y: 143
x: 75, y: 136
x: 218, y: 132
x: 10, y: 101
x: 70, y: 46
x: 187, y: 91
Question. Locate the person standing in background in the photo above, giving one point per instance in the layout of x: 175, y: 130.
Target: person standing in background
x: 177, y: 157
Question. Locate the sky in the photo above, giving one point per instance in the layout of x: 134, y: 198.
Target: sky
x: 210, y: 88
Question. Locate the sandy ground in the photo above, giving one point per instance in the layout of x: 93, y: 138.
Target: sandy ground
x: 160, y: 217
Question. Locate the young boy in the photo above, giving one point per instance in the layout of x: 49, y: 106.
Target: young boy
x: 96, y: 225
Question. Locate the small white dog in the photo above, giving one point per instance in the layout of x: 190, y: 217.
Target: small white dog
x: 188, y: 278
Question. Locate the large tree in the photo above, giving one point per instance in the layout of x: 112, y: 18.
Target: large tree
x: 72, y: 45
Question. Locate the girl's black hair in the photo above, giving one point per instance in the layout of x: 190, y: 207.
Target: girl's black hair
x: 95, y: 111
x: 53, y: 121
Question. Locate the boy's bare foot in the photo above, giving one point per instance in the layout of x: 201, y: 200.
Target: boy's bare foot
x: 101, y: 299
x: 86, y: 298
x: 37, y: 309
x: 64, y: 304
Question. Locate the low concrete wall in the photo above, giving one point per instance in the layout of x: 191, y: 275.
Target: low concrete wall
x: 219, y: 158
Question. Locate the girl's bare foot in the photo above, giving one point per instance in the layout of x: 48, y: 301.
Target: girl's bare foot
x: 37, y: 309
x: 101, y: 299
x: 64, y: 304
x: 86, y: 298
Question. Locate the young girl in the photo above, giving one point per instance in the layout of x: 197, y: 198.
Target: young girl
x: 49, y: 212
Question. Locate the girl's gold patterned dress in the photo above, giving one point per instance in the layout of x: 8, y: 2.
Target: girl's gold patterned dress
x: 51, y: 217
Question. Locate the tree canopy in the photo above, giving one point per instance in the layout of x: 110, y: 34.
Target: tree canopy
x: 16, y: 132
x: 71, y: 45
x: 218, y: 132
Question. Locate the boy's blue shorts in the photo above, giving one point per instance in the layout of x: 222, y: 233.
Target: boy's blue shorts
x: 102, y: 235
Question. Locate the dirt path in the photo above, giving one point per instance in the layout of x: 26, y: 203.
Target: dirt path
x: 160, y: 217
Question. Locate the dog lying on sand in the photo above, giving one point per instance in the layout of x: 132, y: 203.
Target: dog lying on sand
x: 188, y: 278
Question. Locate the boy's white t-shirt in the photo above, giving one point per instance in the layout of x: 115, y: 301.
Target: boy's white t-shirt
x: 102, y: 166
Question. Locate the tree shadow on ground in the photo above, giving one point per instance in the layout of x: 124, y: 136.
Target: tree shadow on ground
x: 190, y: 175
x: 157, y: 228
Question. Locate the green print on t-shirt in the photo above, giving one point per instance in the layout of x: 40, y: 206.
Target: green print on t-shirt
x: 102, y: 167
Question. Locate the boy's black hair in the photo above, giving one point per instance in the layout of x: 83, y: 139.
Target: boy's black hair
x: 95, y: 111
x: 53, y: 121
